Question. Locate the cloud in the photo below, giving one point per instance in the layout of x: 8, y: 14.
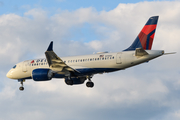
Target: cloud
x: 145, y: 92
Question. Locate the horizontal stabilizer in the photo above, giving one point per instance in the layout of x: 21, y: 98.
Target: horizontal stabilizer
x: 169, y: 53
x: 140, y: 52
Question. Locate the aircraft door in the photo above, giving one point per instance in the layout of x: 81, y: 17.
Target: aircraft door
x: 24, y: 67
x: 118, y: 58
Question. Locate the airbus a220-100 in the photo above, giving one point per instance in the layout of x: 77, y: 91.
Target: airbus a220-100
x: 77, y: 69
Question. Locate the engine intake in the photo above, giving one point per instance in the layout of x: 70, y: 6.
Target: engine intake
x: 41, y: 74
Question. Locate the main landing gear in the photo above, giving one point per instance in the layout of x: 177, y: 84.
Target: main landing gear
x: 69, y: 81
x: 21, y: 88
x: 89, y: 84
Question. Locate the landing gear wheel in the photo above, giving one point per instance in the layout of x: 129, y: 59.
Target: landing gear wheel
x: 90, y: 84
x: 21, y: 88
x: 21, y: 81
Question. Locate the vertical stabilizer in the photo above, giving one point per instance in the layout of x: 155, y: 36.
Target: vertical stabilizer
x: 145, y: 38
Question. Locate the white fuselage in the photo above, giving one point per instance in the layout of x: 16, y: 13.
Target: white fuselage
x: 87, y: 64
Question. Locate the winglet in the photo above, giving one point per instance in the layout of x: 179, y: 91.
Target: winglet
x: 50, y: 48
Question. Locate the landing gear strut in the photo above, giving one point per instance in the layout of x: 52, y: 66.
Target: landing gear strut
x: 21, y: 88
x: 89, y: 84
x: 68, y: 79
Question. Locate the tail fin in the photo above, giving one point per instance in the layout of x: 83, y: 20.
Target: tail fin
x: 145, y: 38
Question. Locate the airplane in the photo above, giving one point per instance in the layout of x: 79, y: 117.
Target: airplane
x: 77, y: 69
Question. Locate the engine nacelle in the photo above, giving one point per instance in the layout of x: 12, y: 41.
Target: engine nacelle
x: 41, y: 74
x: 75, y: 80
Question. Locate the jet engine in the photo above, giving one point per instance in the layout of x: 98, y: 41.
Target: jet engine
x: 42, y: 74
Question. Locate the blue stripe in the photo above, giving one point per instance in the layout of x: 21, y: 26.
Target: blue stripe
x: 87, y: 71
x: 25, y: 78
x: 152, y: 20
x: 136, y: 44
x: 148, y: 38
x: 84, y: 71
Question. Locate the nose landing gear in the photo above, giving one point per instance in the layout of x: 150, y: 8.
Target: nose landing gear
x: 89, y: 84
x: 21, y: 88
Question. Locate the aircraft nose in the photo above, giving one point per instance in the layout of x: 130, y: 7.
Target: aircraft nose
x: 9, y: 74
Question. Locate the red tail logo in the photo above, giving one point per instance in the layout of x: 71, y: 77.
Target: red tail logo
x: 145, y: 38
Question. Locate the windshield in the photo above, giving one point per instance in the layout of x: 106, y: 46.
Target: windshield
x: 14, y: 67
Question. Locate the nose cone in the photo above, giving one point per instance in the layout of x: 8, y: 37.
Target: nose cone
x: 9, y: 74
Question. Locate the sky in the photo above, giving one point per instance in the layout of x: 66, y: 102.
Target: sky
x: 149, y: 91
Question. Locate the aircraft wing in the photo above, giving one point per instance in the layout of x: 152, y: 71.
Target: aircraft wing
x: 55, y: 62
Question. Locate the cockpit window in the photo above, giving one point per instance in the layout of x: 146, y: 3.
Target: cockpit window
x: 14, y: 67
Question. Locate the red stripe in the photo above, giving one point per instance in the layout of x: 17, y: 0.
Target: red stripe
x: 151, y: 41
x: 148, y: 28
x: 143, y: 39
x: 32, y: 61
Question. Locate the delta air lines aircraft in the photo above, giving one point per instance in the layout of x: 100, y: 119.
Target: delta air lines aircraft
x: 75, y: 70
